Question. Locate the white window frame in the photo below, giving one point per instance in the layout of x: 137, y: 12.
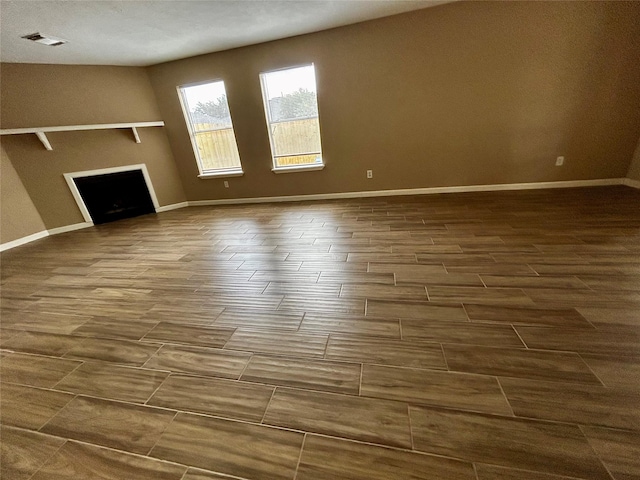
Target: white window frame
x: 219, y: 172
x: 267, y: 112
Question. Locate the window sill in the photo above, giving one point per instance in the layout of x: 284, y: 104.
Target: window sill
x: 222, y: 174
x: 297, y: 168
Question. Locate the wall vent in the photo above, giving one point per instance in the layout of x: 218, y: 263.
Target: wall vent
x: 44, y: 39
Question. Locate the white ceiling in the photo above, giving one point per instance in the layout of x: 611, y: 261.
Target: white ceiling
x: 146, y: 32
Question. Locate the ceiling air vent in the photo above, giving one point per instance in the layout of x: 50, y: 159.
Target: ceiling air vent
x: 44, y: 39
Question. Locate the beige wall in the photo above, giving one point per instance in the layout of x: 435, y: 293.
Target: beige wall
x: 634, y: 168
x: 459, y: 94
x: 48, y: 95
x: 18, y: 215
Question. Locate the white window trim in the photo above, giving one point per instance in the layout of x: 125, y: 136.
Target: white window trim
x: 298, y: 168
x: 222, y: 173
x: 267, y: 112
x: 192, y: 135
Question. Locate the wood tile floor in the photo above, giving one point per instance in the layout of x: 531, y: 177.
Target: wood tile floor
x: 463, y: 336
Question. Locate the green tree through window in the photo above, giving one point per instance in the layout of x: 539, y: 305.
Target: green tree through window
x: 299, y: 104
x: 218, y: 108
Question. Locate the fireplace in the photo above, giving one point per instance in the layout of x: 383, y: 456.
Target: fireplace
x: 112, y: 194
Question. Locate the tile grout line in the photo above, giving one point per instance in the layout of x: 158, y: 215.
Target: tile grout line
x: 66, y: 440
x: 475, y: 470
x: 586, y: 319
x: 295, y: 473
x: 410, y: 427
x: 604, y: 465
x: 268, y: 405
x: 304, y: 315
x: 73, y: 397
x: 124, y: 452
x: 466, y: 312
x: 236, y: 420
x: 156, y: 389
x: 519, y: 337
x: 444, y: 357
x: 591, y: 369
x: 152, y: 356
x: 452, y: 231
x: 82, y: 362
x: 161, y: 434
x: 505, y: 397
x: 186, y: 470
x: 239, y: 379
x: 326, y: 347
x: 107, y: 399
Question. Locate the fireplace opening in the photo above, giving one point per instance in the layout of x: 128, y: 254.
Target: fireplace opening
x: 115, y: 196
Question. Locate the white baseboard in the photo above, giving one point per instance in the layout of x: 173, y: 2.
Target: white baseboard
x: 70, y: 228
x: 629, y: 182
x: 414, y: 191
x: 21, y: 241
x: 332, y: 196
x: 173, y: 206
x: 45, y: 233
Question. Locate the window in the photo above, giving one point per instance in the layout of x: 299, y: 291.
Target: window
x: 291, y: 108
x: 208, y: 119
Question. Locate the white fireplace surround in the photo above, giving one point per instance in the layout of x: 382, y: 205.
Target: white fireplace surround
x: 69, y: 177
x: 328, y: 196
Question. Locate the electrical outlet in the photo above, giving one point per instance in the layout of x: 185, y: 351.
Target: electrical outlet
x: 226, y: 184
x: 559, y: 161
x: 369, y: 173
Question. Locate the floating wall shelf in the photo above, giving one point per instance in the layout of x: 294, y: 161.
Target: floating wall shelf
x: 42, y: 131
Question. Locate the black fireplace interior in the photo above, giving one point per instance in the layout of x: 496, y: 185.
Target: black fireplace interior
x: 115, y: 196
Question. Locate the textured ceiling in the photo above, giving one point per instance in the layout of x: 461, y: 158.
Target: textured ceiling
x: 146, y: 32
